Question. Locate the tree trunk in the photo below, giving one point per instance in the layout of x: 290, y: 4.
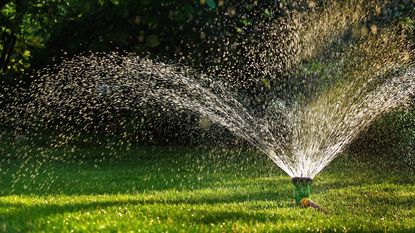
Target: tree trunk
x: 9, y: 38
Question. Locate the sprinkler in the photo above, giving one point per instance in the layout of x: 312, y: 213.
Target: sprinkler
x: 302, y: 188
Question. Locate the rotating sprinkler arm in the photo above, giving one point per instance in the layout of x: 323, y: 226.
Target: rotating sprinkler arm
x: 305, y: 202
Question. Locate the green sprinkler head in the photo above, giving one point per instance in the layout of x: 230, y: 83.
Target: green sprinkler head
x: 302, y: 188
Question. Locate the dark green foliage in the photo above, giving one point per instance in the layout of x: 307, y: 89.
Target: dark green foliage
x: 33, y: 32
x: 25, y: 27
x: 390, y: 138
x: 43, y: 29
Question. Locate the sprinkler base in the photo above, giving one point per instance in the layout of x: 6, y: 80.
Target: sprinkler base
x: 302, y: 188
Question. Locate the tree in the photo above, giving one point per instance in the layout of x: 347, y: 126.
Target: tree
x: 8, y: 34
x: 25, y: 25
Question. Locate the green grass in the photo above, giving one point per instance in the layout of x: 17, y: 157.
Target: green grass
x: 192, y: 190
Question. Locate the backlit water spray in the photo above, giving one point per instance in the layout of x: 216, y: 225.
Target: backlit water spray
x: 335, y: 76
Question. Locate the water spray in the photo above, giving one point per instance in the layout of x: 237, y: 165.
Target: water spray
x: 302, y: 188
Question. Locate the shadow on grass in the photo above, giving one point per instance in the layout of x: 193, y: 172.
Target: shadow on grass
x: 149, y: 171
x: 19, y: 212
x: 204, y: 214
x: 127, y: 179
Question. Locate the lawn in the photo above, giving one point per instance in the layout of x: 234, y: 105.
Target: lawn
x: 183, y: 189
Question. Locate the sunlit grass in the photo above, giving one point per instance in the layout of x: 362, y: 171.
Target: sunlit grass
x: 186, y: 189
